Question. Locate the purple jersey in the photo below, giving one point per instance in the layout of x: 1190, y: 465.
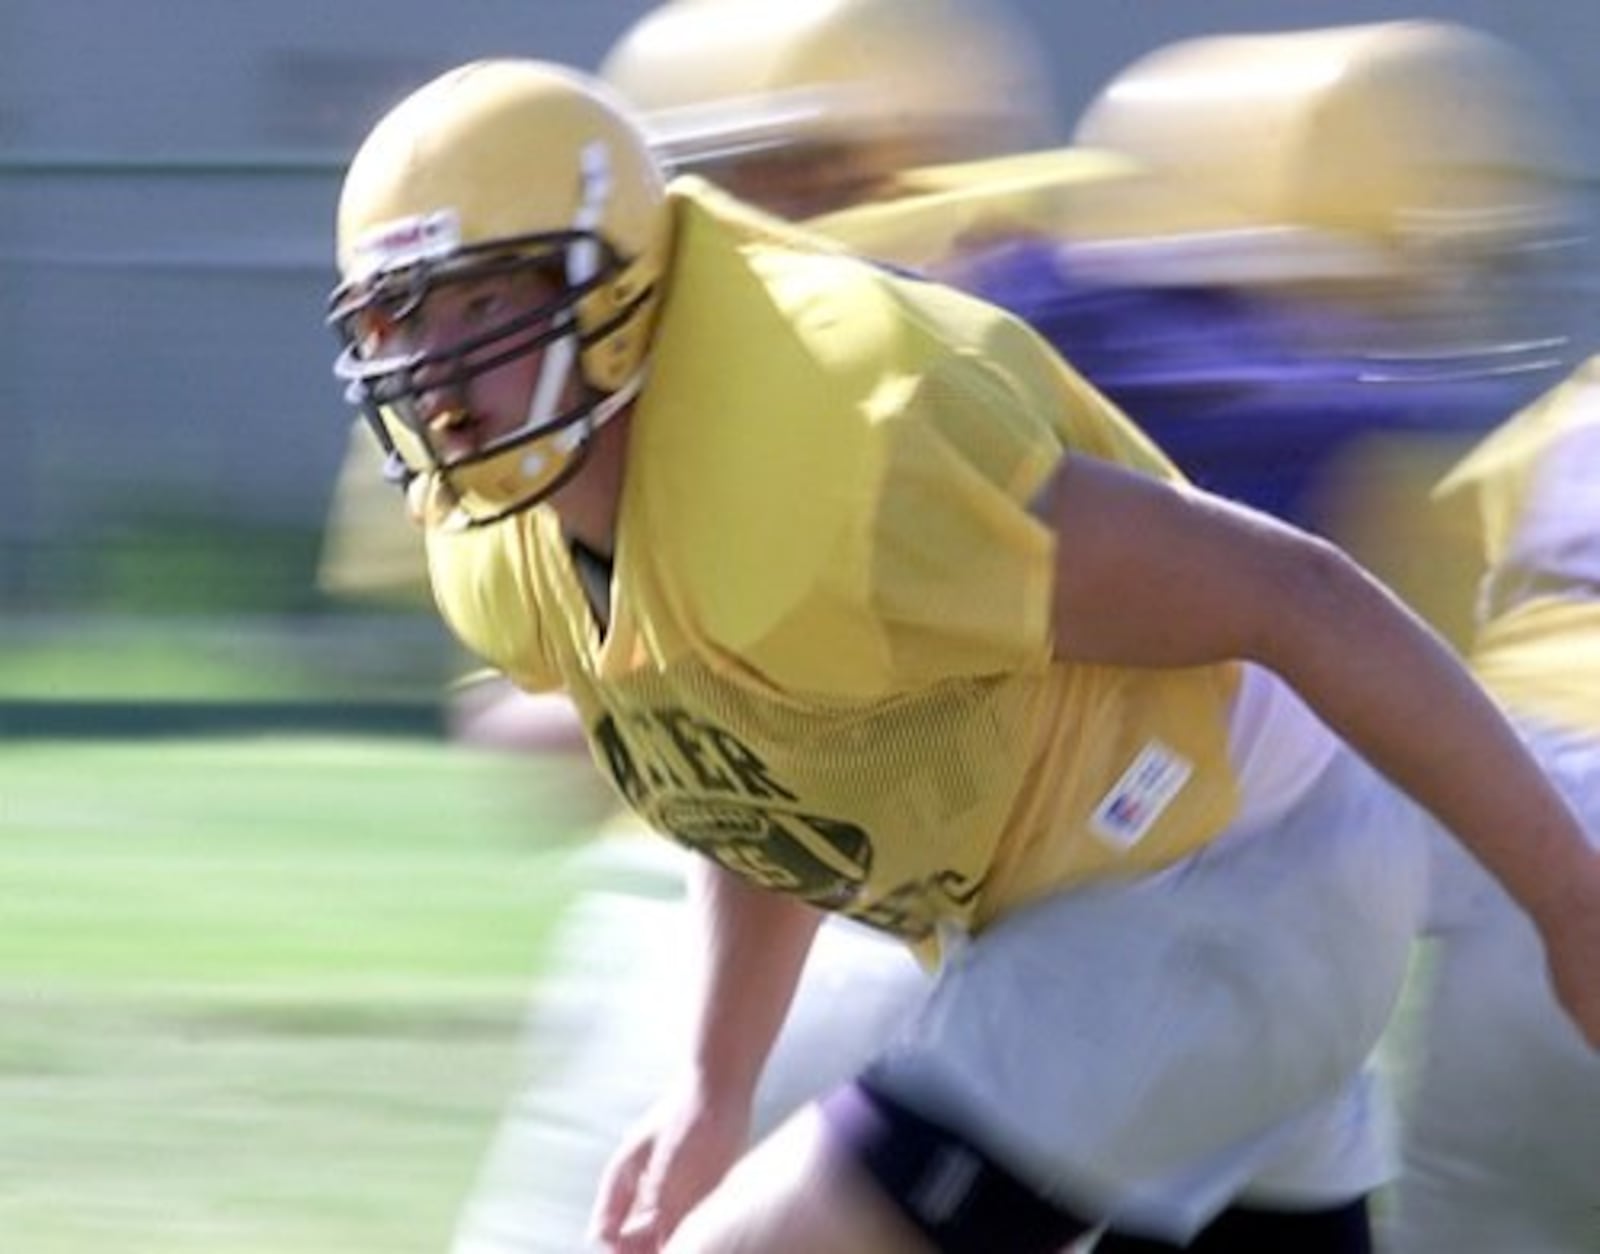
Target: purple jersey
x: 1221, y: 380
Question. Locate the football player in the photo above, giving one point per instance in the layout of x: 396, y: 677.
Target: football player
x: 1183, y: 308
x: 1502, y: 1141
x: 869, y: 599
x: 801, y: 107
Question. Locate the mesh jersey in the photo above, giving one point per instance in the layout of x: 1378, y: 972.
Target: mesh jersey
x: 1532, y: 485
x: 828, y: 663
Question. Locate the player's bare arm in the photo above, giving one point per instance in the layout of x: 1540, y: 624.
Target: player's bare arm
x: 1149, y: 574
x: 754, y: 948
x: 756, y: 942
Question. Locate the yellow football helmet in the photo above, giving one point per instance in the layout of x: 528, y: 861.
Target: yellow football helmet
x: 497, y: 168
x: 1422, y: 167
x: 804, y: 105
x: 1372, y: 130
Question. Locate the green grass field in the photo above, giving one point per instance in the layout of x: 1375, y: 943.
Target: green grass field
x: 260, y: 996
x: 263, y: 995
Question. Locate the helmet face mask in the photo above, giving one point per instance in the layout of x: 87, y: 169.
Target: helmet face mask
x: 492, y: 319
x: 396, y: 378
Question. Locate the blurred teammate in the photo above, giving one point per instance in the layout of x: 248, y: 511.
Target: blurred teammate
x: 1358, y: 272
x: 1502, y: 1139
x: 864, y: 595
x: 810, y: 107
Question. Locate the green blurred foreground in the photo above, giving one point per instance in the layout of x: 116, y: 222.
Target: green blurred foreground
x: 260, y: 995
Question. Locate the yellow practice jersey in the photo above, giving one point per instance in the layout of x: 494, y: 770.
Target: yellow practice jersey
x: 828, y: 663
x: 1532, y: 489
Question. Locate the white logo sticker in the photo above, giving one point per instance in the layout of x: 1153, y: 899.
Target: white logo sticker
x: 403, y: 242
x: 1137, y: 800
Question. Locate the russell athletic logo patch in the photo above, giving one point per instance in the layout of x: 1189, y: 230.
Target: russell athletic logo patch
x: 1140, y: 796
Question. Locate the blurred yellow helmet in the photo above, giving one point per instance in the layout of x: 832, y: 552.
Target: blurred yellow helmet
x: 1377, y: 132
x: 496, y: 168
x: 1428, y: 161
x: 910, y: 81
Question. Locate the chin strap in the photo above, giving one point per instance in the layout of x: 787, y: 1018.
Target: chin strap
x: 613, y: 403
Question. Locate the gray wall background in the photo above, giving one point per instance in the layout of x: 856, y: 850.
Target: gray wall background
x: 167, y: 176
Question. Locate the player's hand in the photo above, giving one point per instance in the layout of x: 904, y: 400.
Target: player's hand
x: 1570, y: 928
x: 666, y: 1166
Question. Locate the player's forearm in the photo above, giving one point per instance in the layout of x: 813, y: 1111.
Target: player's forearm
x: 1398, y: 694
x: 755, y: 944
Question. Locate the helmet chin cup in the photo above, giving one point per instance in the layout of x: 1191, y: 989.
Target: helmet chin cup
x: 488, y: 488
x: 535, y: 466
x: 511, y: 475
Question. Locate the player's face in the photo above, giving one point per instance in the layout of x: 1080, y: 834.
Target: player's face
x: 469, y: 397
